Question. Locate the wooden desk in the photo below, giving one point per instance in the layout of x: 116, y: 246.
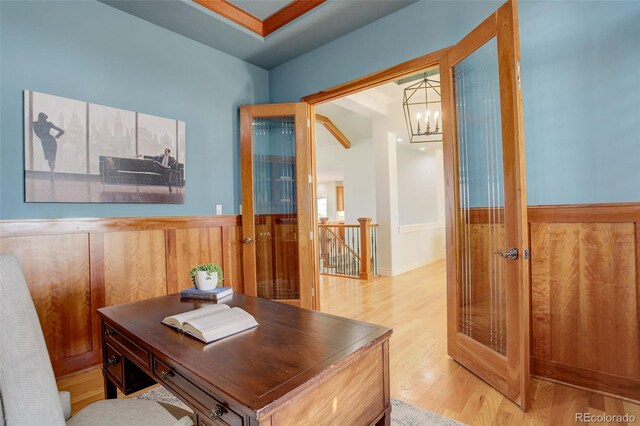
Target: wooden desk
x: 298, y: 367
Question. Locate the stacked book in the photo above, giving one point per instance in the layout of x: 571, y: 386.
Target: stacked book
x: 215, y: 294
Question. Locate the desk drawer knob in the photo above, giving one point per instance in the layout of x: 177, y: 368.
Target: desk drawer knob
x: 109, y: 332
x: 216, y: 413
x: 166, y: 374
x: 112, y: 361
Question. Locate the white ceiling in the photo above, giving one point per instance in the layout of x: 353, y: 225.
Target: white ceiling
x: 353, y: 125
x: 321, y: 25
x: 354, y: 116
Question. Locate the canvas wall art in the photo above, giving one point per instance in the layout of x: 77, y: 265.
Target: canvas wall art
x: 79, y: 152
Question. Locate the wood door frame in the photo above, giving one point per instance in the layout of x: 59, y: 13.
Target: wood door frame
x: 303, y: 192
x: 488, y: 28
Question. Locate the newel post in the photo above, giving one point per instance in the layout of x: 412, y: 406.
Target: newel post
x: 323, y: 238
x: 365, y: 248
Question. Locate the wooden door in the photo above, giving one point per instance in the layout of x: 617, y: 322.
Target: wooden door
x: 277, y: 215
x: 487, y: 239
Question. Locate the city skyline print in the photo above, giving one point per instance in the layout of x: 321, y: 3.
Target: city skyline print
x: 76, y: 151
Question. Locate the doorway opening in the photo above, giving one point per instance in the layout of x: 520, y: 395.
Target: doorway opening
x: 380, y: 197
x: 481, y: 112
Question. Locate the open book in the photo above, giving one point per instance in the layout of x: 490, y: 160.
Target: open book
x: 212, y: 323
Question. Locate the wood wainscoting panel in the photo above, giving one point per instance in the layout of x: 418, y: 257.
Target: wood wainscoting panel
x: 56, y: 268
x: 608, y: 253
x: 565, y: 309
x: 540, y: 300
x: 192, y: 246
x: 195, y: 246
x: 585, y: 309
x: 232, y: 254
x: 134, y: 266
x: 75, y: 266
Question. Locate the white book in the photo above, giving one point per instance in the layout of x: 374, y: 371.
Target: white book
x: 212, y: 323
x: 177, y: 320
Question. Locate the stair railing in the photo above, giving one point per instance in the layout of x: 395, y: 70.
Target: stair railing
x: 343, y: 248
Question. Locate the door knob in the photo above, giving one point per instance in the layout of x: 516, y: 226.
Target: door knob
x: 248, y: 240
x: 512, y: 254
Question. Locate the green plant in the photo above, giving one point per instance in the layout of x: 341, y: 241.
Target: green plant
x: 209, y: 268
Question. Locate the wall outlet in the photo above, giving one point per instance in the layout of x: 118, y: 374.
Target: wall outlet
x: 218, y: 209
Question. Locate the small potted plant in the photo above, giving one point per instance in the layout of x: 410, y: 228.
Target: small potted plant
x: 207, y: 276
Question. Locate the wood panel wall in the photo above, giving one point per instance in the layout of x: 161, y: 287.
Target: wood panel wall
x: 73, y: 267
x: 585, y: 298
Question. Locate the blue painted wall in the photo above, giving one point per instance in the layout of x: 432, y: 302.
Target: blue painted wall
x: 581, y: 93
x: 581, y: 85
x: 92, y: 52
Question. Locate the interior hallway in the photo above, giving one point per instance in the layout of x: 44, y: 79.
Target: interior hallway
x: 414, y: 305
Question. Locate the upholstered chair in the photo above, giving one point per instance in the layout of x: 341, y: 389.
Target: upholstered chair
x: 28, y: 392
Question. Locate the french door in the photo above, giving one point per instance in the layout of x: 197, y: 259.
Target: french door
x: 487, y: 238
x: 277, y: 213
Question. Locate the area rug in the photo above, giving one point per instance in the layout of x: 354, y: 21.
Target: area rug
x: 402, y: 414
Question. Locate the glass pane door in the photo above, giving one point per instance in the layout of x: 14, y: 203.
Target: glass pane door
x: 482, y: 313
x: 487, y: 269
x: 275, y: 207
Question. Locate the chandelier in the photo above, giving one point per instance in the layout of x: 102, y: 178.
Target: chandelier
x: 422, y: 105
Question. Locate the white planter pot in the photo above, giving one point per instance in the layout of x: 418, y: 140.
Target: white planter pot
x: 204, y: 283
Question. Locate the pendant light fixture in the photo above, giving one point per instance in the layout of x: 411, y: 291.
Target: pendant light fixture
x: 422, y: 105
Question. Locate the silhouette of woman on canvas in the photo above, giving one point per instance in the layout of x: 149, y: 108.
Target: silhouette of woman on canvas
x: 42, y: 129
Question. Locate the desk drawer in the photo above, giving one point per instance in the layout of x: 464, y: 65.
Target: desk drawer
x: 217, y: 412
x: 113, y: 363
x: 205, y: 421
x: 134, y: 352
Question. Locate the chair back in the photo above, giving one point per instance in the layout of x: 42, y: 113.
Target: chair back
x: 28, y: 391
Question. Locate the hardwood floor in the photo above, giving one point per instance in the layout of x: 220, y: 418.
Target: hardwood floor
x: 414, y: 304
x: 87, y: 387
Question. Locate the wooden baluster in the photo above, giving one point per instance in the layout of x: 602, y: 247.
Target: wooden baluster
x: 323, y: 239
x: 365, y: 248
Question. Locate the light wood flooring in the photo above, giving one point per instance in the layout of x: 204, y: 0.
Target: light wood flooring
x: 414, y: 304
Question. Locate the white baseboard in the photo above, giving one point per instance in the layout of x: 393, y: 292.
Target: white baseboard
x: 386, y: 272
